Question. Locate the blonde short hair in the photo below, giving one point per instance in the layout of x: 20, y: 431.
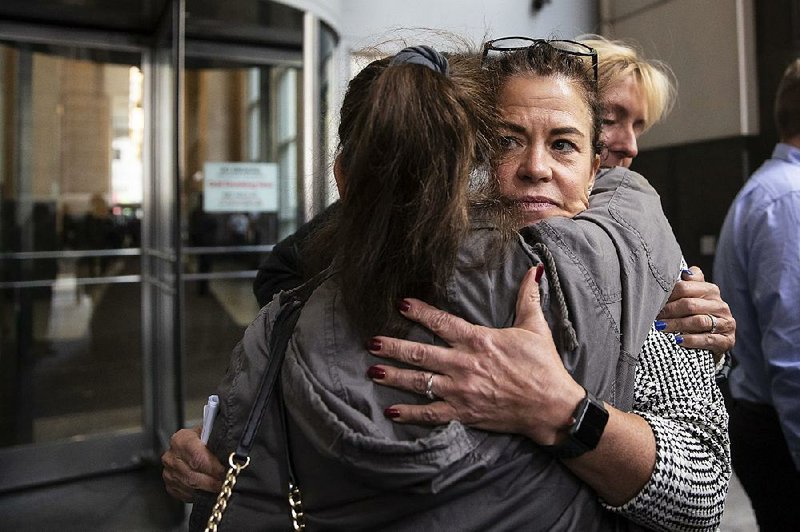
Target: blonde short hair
x: 618, y: 59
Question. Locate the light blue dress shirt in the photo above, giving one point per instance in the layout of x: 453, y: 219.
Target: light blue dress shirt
x: 757, y: 268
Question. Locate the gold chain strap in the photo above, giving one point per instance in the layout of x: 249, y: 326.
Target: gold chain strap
x: 225, y: 493
x: 296, y: 504
x: 295, y: 498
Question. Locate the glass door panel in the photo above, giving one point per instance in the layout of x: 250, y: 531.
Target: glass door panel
x: 70, y: 212
x: 240, y: 196
x: 138, y: 195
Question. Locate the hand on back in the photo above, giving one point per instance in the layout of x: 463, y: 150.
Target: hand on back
x: 504, y: 380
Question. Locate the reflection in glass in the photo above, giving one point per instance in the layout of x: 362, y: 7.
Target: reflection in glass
x: 240, y: 195
x: 72, y: 367
x: 70, y: 213
x: 240, y: 115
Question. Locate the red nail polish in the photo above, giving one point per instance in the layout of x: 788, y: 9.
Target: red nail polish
x: 376, y: 372
x: 374, y: 345
x: 539, y: 272
x: 391, y: 413
x: 404, y: 305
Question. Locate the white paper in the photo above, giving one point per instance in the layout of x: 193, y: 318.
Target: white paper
x: 209, y: 413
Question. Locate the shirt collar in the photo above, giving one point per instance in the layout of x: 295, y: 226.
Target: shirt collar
x: 786, y: 152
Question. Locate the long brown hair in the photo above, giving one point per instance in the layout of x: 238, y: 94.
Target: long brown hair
x: 409, y: 137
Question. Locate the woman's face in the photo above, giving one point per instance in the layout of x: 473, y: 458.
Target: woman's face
x: 624, y: 118
x: 547, y: 165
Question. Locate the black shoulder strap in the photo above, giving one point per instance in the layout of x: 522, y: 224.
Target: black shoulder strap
x: 291, y: 304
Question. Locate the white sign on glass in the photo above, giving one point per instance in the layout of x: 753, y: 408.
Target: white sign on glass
x: 240, y: 187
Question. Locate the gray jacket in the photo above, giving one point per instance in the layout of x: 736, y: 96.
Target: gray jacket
x: 360, y: 471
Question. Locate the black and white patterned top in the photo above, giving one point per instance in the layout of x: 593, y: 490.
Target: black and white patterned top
x: 677, y: 395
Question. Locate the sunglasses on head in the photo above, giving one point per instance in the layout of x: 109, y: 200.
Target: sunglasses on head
x: 510, y: 44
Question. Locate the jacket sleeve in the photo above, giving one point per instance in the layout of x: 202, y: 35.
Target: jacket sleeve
x: 617, y: 263
x: 626, y: 251
x: 283, y: 267
x: 677, y: 395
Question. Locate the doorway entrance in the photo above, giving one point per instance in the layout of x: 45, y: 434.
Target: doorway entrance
x: 126, y: 262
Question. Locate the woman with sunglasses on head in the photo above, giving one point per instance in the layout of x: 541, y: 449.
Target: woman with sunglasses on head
x: 635, y: 93
x: 568, y: 133
x: 683, y: 477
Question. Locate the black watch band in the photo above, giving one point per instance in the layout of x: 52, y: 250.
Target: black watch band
x: 585, y: 433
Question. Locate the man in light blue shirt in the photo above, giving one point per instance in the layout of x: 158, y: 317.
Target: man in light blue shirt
x: 757, y: 267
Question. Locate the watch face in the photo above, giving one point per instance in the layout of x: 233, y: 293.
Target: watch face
x: 592, y: 425
x: 584, y: 435
x: 591, y: 422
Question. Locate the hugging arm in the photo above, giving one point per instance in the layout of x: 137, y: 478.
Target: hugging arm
x: 612, y: 280
x: 536, y: 396
x: 691, y: 306
x: 666, y: 464
x: 489, y: 380
x: 689, y: 422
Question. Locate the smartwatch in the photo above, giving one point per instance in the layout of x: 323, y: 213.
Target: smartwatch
x: 585, y: 433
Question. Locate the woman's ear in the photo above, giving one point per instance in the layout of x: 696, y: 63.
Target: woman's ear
x: 595, y: 168
x: 338, y: 175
